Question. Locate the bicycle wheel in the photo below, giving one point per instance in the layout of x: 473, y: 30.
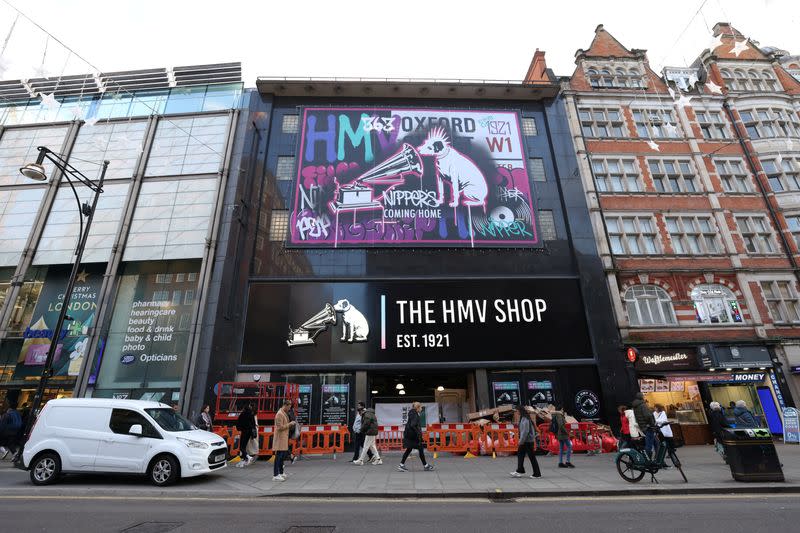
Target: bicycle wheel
x: 677, y: 462
x: 626, y: 469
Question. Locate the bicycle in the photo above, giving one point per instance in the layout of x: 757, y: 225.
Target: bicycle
x: 633, y: 463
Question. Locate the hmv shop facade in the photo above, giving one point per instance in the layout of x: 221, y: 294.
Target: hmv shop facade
x: 399, y: 248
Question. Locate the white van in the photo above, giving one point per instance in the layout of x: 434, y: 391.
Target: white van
x: 119, y: 436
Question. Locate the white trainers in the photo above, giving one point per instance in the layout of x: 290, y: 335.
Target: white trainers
x: 376, y: 462
x: 278, y: 478
x: 358, y: 462
x: 516, y: 474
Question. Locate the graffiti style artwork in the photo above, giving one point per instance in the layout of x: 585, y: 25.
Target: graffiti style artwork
x: 411, y: 177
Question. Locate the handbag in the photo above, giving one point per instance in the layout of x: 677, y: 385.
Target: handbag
x: 252, y: 446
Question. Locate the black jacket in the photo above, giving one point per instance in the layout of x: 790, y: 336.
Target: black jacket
x: 644, y: 415
x: 412, y: 435
x: 246, y: 421
x: 716, y: 422
x: 369, y: 423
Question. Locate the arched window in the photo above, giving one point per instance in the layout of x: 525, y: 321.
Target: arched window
x: 649, y: 305
x: 769, y: 79
x: 755, y: 81
x: 715, y: 304
x: 594, y: 80
x: 607, y: 79
x: 741, y: 80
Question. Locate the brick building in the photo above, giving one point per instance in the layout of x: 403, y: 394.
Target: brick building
x: 695, y: 238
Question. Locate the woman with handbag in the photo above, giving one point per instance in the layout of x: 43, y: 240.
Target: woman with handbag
x: 412, y: 438
x: 204, y: 420
x: 527, y: 441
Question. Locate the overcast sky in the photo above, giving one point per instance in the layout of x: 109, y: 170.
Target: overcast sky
x: 404, y: 39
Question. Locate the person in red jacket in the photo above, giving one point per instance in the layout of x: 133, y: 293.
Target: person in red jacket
x: 625, y: 432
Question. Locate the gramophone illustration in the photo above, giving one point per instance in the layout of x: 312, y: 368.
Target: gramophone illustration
x: 356, y: 195
x: 312, y: 327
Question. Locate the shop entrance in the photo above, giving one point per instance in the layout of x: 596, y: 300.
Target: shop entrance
x: 445, y: 396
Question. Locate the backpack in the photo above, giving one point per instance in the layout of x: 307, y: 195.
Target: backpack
x: 12, y: 422
x: 553, y: 425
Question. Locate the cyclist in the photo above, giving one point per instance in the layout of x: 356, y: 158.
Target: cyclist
x: 646, y: 421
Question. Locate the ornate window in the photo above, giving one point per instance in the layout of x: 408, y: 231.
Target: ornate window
x: 782, y: 300
x: 601, y: 122
x: 733, y: 175
x: 711, y: 125
x: 632, y: 235
x: 616, y: 78
x: 692, y: 235
x: 649, y: 305
x: 783, y: 174
x: 673, y: 175
x: 616, y: 175
x: 756, y: 234
x: 655, y: 123
x: 715, y: 304
x: 770, y: 122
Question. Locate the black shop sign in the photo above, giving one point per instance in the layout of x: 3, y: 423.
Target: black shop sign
x: 667, y: 359
x: 487, y: 320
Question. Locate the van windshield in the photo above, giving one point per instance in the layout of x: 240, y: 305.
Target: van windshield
x: 169, y: 420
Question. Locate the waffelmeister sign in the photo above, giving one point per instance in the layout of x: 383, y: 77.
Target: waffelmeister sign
x: 414, y: 321
x: 678, y: 358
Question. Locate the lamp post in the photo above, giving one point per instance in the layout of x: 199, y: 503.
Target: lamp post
x: 35, y: 171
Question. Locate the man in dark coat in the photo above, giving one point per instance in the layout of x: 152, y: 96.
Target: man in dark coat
x: 412, y: 438
x: 646, y: 421
x: 716, y: 423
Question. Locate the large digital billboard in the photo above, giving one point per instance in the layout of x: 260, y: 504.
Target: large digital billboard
x: 411, y: 177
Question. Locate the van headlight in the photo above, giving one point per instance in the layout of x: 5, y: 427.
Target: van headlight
x: 193, y: 443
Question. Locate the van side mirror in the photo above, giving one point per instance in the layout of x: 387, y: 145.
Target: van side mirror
x: 135, y: 429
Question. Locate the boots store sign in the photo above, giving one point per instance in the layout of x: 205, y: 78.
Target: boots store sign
x: 414, y: 321
x: 411, y: 177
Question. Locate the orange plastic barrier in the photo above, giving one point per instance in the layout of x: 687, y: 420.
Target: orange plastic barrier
x: 454, y: 438
x: 504, y: 438
x: 316, y: 440
x: 585, y: 437
x: 390, y: 438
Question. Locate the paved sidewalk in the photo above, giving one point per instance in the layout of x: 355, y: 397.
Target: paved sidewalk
x: 455, y: 476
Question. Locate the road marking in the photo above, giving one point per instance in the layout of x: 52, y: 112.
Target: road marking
x: 404, y: 498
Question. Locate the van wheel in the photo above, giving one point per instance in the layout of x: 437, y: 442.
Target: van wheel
x: 46, y: 469
x: 163, y: 471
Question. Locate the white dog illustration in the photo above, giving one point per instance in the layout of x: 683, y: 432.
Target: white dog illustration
x: 353, y: 320
x: 452, y: 166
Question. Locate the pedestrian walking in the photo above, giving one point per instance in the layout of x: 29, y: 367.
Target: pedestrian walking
x: 625, y: 428
x: 716, y: 423
x: 280, y: 440
x: 646, y: 422
x: 412, y: 439
x: 358, y: 434
x: 369, y: 427
x: 294, y: 434
x: 743, y: 416
x: 527, y: 441
x: 247, y: 426
x: 204, y: 421
x: 558, y: 425
x: 662, y: 422
x: 10, y: 430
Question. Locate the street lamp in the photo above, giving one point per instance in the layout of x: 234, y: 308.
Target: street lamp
x: 35, y: 171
